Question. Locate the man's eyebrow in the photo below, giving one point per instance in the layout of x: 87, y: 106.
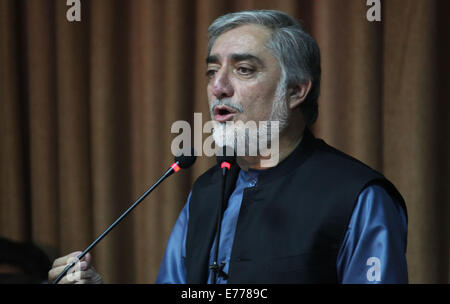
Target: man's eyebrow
x: 212, y: 59
x: 246, y: 56
x: 236, y: 57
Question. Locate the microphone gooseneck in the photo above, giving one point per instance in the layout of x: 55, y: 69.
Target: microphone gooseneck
x: 225, y: 161
x: 184, y: 160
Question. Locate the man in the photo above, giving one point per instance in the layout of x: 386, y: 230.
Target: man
x: 316, y: 215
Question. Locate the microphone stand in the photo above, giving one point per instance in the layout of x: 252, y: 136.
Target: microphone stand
x: 174, y: 168
x: 218, y: 270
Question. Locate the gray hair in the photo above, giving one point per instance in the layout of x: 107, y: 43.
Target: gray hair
x: 296, y: 51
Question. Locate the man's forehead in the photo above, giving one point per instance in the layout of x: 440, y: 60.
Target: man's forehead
x: 245, y: 42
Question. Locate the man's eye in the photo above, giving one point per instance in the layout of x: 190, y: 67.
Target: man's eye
x: 245, y: 70
x: 210, y: 73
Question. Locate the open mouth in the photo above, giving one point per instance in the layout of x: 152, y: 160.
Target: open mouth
x: 223, y: 113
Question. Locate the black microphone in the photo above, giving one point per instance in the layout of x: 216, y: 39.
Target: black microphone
x: 227, y: 158
x: 225, y: 161
x: 183, y: 160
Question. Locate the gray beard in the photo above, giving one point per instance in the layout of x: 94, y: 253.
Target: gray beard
x: 247, y: 137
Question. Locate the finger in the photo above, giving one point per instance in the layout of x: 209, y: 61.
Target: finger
x: 63, y: 260
x: 78, y: 266
x: 68, y: 279
x: 83, y: 265
x: 74, y: 276
x: 87, y: 258
x: 55, y: 272
x: 79, y: 276
x: 87, y: 274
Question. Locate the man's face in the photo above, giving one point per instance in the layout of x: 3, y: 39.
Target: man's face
x: 243, y: 76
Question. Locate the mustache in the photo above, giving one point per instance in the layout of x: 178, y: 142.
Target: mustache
x: 226, y: 102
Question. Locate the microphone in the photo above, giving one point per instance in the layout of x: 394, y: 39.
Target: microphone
x: 227, y: 158
x: 225, y: 161
x: 183, y: 160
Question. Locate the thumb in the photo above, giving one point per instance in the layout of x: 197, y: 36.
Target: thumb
x: 87, y: 260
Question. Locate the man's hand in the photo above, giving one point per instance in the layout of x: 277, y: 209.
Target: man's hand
x: 81, y: 273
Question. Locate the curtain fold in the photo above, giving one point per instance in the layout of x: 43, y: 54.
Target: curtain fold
x: 86, y: 110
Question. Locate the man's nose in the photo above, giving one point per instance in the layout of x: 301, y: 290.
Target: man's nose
x: 222, y: 87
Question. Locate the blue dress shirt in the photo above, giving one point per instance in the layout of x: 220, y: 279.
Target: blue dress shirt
x: 373, y: 250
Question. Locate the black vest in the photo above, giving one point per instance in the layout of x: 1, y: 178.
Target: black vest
x: 291, y: 224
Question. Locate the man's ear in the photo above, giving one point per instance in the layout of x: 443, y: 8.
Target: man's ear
x: 298, y: 94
